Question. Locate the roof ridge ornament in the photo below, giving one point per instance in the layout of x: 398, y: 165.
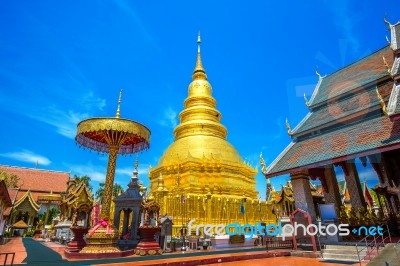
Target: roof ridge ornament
x: 306, y: 100
x: 318, y: 74
x: 117, y: 115
x: 381, y: 102
x: 387, y: 22
x: 263, y: 165
x: 289, y: 130
x: 389, y: 70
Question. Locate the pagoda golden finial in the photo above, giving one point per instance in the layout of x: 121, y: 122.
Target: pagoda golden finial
x: 199, y: 72
x: 117, y: 115
x: 289, y: 130
x: 382, y: 102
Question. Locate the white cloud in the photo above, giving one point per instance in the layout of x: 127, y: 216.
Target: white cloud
x: 65, y: 122
x: 345, y: 20
x: 27, y: 156
x: 95, y: 173
x: 90, y: 101
x: 142, y: 171
x: 170, y: 118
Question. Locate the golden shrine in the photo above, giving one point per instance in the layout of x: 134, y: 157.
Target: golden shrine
x: 201, y: 175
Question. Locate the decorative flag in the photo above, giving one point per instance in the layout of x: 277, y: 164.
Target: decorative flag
x: 242, y: 207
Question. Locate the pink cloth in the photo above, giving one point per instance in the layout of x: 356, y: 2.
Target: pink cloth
x: 102, y: 223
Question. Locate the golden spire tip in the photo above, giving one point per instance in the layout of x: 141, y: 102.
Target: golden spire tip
x: 117, y: 115
x: 198, y: 42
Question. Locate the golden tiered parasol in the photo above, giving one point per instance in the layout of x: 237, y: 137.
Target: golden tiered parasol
x: 113, y: 135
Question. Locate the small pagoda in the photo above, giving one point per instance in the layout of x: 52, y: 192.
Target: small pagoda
x: 127, y: 209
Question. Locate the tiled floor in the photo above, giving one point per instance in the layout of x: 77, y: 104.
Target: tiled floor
x: 281, y: 261
x: 198, y: 259
x: 14, y: 245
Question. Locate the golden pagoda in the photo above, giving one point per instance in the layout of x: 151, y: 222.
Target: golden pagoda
x: 201, y: 175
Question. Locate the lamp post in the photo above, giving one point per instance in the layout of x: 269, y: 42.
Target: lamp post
x: 183, y: 202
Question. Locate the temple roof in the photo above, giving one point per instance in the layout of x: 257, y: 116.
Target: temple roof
x: 347, y: 117
x: 39, y: 179
x: 348, y: 141
x: 20, y: 224
x: 27, y: 197
x: 358, y: 74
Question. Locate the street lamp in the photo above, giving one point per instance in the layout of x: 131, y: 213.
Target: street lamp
x: 183, y: 201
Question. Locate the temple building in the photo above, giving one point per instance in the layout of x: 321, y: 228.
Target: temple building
x: 201, y: 175
x: 353, y: 115
x: 5, y: 203
x: 283, y: 200
x: 33, y: 186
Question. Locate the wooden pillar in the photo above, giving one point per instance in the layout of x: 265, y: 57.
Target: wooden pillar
x: 302, y: 192
x: 134, y: 223
x: 125, y: 222
x: 333, y: 194
x: 353, y: 184
x: 117, y: 217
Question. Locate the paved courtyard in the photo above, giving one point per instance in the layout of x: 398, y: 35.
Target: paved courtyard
x: 48, y: 250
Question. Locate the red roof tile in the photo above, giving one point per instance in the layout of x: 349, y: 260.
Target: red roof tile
x: 38, y: 179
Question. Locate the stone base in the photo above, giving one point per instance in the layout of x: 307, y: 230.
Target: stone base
x: 109, y: 255
x: 148, y: 248
x: 100, y: 242
x: 127, y: 244
x: 37, y: 234
x: 148, y: 245
x: 78, y: 243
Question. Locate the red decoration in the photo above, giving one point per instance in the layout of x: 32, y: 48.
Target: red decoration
x: 102, y: 223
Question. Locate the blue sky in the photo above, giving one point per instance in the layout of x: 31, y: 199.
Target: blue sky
x: 62, y: 62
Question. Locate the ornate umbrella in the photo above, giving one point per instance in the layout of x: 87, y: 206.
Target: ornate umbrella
x: 113, y: 135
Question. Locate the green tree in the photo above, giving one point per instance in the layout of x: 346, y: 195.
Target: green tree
x: 375, y: 198
x: 100, y: 192
x: 11, y: 180
x: 84, y: 179
x: 117, y: 190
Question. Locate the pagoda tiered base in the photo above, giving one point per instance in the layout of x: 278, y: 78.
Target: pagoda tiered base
x: 100, y: 245
x: 148, y: 245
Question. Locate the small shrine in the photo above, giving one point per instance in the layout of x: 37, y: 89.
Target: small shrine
x: 127, y: 210
x: 76, y: 212
x: 149, y: 228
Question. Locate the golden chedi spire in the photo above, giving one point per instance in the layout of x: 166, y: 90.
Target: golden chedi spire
x: 200, y: 155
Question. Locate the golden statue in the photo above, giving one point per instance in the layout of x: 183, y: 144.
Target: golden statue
x: 353, y: 219
x: 343, y: 217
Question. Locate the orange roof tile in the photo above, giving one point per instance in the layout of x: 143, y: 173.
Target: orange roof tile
x: 39, y: 179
